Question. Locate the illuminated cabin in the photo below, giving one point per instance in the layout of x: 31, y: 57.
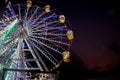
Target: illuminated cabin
x: 66, y: 56
x: 70, y: 35
x: 7, y: 6
x: 62, y: 19
x: 47, y: 8
x: 43, y: 75
x: 29, y: 3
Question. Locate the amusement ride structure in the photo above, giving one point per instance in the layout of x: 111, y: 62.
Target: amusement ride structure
x: 32, y: 38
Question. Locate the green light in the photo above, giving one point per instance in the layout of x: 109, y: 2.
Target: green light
x: 9, y: 31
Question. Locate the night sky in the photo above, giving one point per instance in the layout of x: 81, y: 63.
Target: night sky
x: 96, y: 47
x: 96, y: 26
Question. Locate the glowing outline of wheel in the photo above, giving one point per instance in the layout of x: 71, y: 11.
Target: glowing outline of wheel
x: 47, y: 30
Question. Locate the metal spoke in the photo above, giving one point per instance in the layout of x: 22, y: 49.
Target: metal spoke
x: 47, y: 52
x: 33, y: 55
x: 35, y: 12
x: 19, y: 8
x: 39, y: 57
x: 51, y: 40
x: 46, y: 45
x: 44, y: 54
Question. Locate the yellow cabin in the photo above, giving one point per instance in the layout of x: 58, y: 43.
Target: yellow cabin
x: 29, y: 3
x: 47, y: 8
x: 7, y: 6
x: 43, y: 75
x: 70, y: 35
x: 66, y: 56
x: 62, y: 19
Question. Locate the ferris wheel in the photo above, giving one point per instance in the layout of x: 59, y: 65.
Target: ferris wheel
x: 32, y: 38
